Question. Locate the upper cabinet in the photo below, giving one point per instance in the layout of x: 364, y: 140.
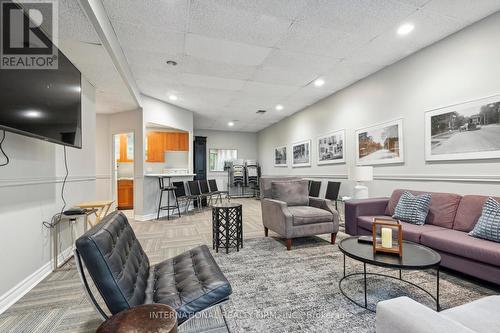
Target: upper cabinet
x: 124, y: 148
x: 159, y: 142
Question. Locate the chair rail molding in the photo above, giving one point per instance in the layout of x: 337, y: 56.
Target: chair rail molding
x: 44, y: 180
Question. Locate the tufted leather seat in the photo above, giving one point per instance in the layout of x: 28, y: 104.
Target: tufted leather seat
x: 120, y: 269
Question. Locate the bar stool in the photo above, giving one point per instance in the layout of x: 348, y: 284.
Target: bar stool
x: 170, y: 190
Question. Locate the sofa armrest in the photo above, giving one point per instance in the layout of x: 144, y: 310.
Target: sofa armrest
x: 403, y: 314
x: 326, y: 205
x: 277, y: 217
x: 362, y: 207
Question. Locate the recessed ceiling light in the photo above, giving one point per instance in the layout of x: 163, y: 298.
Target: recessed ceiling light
x: 32, y: 114
x: 319, y: 82
x: 230, y: 124
x: 172, y: 97
x: 279, y: 107
x: 171, y: 63
x: 405, y: 29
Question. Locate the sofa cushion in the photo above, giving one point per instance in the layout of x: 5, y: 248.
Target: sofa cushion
x: 461, y: 244
x: 480, y: 315
x: 469, y: 211
x: 412, y: 208
x: 488, y: 225
x: 293, y: 192
x: 411, y: 232
x: 442, y: 209
x: 307, y: 215
x: 266, y: 183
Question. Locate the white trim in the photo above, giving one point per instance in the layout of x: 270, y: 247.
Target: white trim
x: 399, y: 159
x: 44, y: 180
x: 443, y: 178
x: 344, y: 146
x: 23, y: 287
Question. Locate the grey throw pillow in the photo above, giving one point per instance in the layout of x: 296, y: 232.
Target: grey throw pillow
x: 293, y: 192
x: 488, y: 225
x: 413, y: 208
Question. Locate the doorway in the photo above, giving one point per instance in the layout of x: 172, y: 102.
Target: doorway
x: 123, y: 170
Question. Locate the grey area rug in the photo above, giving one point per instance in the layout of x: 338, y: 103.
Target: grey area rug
x: 275, y: 290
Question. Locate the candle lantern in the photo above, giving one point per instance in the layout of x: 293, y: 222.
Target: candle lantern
x: 387, y: 236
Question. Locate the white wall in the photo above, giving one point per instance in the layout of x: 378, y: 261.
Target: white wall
x: 107, y: 126
x: 30, y: 189
x: 462, y: 67
x: 245, y: 143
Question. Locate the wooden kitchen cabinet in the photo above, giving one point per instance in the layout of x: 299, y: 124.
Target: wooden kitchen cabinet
x: 155, y: 147
x: 125, y: 148
x: 159, y: 142
x: 125, y: 194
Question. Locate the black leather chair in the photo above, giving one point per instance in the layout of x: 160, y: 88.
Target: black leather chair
x: 190, y: 282
x: 314, y: 188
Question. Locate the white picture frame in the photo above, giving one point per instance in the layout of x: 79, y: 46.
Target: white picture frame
x: 331, y: 148
x: 280, y: 163
x: 381, y: 143
x: 301, y: 154
x: 464, y: 131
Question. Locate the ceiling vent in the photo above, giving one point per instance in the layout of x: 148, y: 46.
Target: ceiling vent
x: 261, y: 111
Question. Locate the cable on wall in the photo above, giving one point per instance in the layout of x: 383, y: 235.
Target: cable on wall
x: 56, y: 218
x: 7, y: 160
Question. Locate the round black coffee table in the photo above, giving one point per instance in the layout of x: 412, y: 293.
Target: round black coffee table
x: 415, y: 257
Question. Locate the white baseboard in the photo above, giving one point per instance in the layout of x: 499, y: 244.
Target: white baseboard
x: 23, y: 287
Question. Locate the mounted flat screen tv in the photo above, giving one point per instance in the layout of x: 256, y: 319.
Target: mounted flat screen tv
x: 43, y: 103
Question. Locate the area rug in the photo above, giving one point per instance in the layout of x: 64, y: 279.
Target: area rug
x: 275, y: 290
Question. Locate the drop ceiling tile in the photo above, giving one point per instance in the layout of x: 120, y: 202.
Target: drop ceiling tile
x: 289, y: 9
x: 467, y: 10
x: 366, y: 17
x: 311, y: 38
x: 211, y: 82
x: 132, y: 37
x: 389, y: 47
x: 266, y: 90
x: 288, y: 60
x: 293, y: 76
x: 73, y: 24
x: 223, y: 51
x: 195, y: 65
x: 168, y: 15
x: 212, y: 19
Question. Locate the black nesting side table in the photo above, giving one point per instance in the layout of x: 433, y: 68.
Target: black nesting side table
x: 227, y: 226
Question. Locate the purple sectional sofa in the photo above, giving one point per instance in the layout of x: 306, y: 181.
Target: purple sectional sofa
x: 450, y: 218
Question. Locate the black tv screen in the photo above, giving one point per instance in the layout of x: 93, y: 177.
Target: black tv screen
x: 43, y: 103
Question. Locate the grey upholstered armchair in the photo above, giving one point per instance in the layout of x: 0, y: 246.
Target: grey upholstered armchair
x: 288, y: 210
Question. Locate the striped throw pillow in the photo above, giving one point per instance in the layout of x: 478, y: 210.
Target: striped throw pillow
x: 413, y: 208
x: 488, y: 225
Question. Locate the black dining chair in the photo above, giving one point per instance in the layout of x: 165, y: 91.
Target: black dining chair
x: 182, y: 196
x: 215, y: 190
x: 314, y: 188
x: 332, y: 192
x: 205, y: 191
x: 194, y: 190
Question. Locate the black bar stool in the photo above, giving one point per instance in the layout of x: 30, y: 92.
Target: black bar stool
x: 170, y: 190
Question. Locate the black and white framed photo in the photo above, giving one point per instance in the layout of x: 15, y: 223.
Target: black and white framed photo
x: 465, y: 131
x: 380, y: 144
x: 280, y: 157
x: 301, y: 154
x: 331, y: 148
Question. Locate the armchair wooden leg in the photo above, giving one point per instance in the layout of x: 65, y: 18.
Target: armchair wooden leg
x: 266, y: 231
x: 288, y: 244
x: 334, y: 237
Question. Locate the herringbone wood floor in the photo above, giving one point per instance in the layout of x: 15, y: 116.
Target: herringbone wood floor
x: 58, y: 303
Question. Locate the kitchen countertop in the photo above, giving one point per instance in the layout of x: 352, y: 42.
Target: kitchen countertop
x: 169, y: 174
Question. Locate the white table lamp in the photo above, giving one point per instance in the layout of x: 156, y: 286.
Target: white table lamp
x: 362, y: 174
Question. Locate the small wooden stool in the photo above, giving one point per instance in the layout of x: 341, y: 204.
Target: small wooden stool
x: 149, y: 318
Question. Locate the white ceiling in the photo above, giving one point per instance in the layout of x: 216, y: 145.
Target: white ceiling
x: 237, y: 56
